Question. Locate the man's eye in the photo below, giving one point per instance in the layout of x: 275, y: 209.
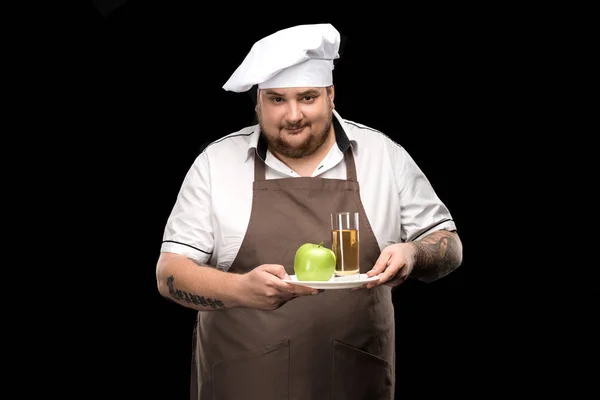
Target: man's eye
x: 308, y: 98
x: 277, y: 99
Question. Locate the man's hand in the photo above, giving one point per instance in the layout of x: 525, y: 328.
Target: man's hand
x: 393, y: 266
x: 264, y: 288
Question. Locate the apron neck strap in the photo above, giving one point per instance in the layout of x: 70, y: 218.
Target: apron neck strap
x: 260, y: 174
x: 259, y: 168
x: 350, y: 166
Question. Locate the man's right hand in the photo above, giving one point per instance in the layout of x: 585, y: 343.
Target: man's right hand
x: 265, y: 288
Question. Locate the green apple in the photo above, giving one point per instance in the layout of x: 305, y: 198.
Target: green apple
x: 313, y: 262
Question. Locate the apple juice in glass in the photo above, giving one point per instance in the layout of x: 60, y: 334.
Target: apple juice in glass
x: 345, y: 243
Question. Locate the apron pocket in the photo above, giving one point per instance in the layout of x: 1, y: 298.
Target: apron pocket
x: 258, y: 374
x: 358, y: 375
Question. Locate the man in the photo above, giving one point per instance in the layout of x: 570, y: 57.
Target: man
x: 253, y: 197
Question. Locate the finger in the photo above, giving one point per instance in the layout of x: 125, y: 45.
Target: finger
x: 399, y: 277
x: 300, y: 290
x: 297, y: 290
x: 384, y: 277
x: 396, y: 281
x: 388, y: 274
x: 314, y: 292
x: 398, y: 273
x: 373, y: 284
x: 276, y: 269
x: 394, y: 267
x: 380, y: 264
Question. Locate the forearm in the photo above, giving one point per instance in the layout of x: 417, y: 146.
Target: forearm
x: 197, y: 287
x: 436, y: 255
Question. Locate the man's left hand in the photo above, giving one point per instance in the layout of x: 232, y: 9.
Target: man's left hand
x: 393, y: 266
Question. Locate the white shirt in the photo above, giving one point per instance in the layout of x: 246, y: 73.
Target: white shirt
x: 212, y: 210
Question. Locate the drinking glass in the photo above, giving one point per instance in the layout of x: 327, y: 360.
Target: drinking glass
x: 345, y: 242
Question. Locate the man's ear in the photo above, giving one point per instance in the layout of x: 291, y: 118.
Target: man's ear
x: 331, y: 94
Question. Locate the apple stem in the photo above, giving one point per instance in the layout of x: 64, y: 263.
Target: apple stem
x: 320, y: 244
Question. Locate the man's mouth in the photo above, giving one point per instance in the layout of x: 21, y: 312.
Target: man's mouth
x: 294, y: 130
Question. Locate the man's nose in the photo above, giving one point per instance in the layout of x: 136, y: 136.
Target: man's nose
x: 294, y: 113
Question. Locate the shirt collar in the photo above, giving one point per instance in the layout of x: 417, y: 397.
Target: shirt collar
x: 343, y: 137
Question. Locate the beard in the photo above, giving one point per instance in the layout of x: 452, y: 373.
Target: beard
x: 279, y: 145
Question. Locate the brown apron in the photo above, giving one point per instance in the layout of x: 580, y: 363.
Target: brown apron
x: 337, y: 345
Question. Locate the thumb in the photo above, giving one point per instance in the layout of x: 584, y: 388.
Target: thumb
x: 277, y: 270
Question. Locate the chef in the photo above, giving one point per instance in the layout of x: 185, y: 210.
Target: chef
x: 254, y: 196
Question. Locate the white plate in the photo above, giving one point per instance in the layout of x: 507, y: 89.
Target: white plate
x: 336, y: 282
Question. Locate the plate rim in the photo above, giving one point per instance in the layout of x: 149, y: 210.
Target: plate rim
x: 332, y: 284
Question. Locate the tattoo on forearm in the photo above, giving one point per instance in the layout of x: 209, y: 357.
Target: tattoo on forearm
x: 191, y: 298
x: 438, y: 253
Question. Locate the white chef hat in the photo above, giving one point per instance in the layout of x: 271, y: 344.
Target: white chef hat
x: 300, y: 56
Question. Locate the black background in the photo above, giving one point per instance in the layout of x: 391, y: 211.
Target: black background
x: 153, y: 98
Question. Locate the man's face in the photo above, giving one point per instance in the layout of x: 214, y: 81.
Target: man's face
x: 295, y: 121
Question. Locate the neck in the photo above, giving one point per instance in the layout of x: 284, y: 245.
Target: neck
x: 305, y: 166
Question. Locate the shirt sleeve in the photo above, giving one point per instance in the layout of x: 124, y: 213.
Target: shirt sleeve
x: 189, y: 228
x: 422, y: 211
